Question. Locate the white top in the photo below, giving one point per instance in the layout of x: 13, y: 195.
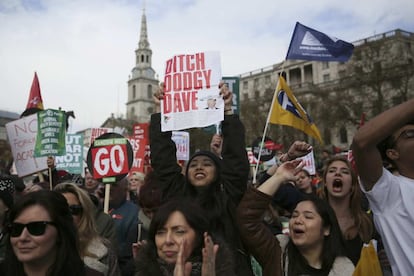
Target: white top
x: 392, y: 203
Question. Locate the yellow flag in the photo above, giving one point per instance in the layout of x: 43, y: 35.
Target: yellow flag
x: 286, y: 110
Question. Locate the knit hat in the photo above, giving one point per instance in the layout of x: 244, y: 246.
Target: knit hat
x: 217, y: 161
x: 7, y: 190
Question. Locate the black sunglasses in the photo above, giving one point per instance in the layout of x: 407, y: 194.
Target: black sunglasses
x: 75, y: 209
x: 35, y: 228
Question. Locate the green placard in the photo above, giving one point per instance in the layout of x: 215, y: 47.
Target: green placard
x: 51, y: 133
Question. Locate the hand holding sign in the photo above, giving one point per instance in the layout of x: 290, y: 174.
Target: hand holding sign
x: 158, y: 96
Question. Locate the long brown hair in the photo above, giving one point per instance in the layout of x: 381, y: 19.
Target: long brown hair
x: 362, y: 221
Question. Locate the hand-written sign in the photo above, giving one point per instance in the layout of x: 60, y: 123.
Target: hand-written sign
x: 189, y: 81
x: 22, y: 137
x: 51, y: 133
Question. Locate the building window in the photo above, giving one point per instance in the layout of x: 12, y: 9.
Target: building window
x: 149, y: 91
x: 267, y: 79
x: 326, y: 77
x: 132, y: 113
x: 134, y: 92
x: 325, y: 65
x: 343, y: 135
x: 142, y: 58
x: 256, y: 83
x: 245, y: 85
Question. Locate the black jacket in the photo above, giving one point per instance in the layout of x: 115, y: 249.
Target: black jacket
x: 228, y: 191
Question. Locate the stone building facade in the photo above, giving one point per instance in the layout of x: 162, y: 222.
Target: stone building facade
x: 337, y: 95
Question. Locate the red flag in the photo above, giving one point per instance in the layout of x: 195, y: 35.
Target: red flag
x: 35, y: 98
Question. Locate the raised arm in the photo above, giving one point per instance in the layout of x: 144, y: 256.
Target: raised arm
x: 258, y: 238
x: 235, y: 162
x: 163, y: 155
x: 364, y: 146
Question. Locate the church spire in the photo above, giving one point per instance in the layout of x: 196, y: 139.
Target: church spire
x: 143, y: 38
x: 143, y: 53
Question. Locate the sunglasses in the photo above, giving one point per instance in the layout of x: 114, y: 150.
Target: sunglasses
x: 35, y: 228
x: 75, y: 210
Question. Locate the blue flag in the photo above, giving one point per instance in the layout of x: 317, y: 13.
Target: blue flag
x: 309, y: 44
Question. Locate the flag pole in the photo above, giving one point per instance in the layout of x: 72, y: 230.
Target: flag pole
x: 266, y: 126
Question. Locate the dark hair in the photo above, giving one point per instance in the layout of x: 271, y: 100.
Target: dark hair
x: 362, y: 222
x: 333, y: 244
x: 193, y: 214
x: 68, y: 262
x: 150, y: 193
x: 388, y: 143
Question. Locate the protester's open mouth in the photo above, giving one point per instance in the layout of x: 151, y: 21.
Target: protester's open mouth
x: 337, y: 185
x: 298, y: 230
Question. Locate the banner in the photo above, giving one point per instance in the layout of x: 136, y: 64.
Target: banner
x: 51, y: 133
x: 310, y: 44
x: 72, y: 162
x: 22, y: 136
x: 286, y: 110
x: 191, y: 95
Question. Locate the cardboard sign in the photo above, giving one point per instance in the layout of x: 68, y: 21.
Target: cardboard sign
x: 22, y: 137
x: 110, y: 157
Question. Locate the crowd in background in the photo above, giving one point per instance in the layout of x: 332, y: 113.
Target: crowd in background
x: 209, y: 219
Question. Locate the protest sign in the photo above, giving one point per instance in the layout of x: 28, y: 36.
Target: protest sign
x: 72, y: 161
x: 22, y: 137
x: 51, y: 132
x: 309, y: 161
x: 233, y: 83
x: 109, y: 160
x: 139, y: 142
x: 92, y: 133
x: 182, y: 143
x: 191, y: 95
x: 110, y: 157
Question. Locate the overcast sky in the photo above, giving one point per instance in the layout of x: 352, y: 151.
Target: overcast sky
x: 83, y: 50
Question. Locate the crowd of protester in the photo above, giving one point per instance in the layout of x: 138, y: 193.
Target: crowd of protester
x: 208, y: 219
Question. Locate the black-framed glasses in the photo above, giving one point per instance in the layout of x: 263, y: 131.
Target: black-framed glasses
x: 75, y: 210
x: 35, y: 228
x: 408, y: 133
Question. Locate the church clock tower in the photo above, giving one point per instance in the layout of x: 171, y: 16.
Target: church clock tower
x: 142, y: 82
